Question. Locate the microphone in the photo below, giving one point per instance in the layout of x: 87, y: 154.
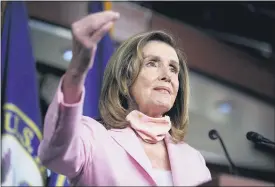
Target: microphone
x: 213, y: 135
x: 257, y: 138
x: 261, y: 143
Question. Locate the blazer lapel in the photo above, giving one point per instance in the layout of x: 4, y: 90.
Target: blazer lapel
x: 179, y: 163
x: 128, y: 140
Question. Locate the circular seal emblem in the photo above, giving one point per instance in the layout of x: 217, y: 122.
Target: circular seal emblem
x: 20, y: 140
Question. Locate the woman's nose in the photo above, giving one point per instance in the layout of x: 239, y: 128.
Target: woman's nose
x: 165, y: 74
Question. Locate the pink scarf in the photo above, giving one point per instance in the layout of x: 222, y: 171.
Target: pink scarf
x: 151, y: 130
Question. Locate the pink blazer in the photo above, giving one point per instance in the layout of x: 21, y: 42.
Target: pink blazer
x: 89, y: 155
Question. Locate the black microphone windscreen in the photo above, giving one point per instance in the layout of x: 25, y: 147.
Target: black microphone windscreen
x: 213, y: 134
x: 254, y: 136
x: 250, y: 135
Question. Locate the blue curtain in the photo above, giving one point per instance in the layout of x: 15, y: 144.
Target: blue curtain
x: 94, y: 79
x: 20, y: 112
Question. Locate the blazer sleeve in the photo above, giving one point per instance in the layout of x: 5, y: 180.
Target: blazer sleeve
x: 205, y: 171
x: 67, y: 143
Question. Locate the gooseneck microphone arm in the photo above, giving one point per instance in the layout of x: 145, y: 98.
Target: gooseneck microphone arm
x: 213, y: 135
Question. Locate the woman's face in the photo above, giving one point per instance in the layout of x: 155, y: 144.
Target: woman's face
x: 156, y: 86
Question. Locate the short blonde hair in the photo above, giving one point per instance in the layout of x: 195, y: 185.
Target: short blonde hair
x: 122, y: 71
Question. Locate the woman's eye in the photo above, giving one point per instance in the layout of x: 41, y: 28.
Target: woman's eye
x: 152, y: 63
x: 173, y: 69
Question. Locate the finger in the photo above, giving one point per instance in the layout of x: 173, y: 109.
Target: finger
x: 84, y: 28
x: 98, y: 35
x: 89, y: 41
x: 97, y: 20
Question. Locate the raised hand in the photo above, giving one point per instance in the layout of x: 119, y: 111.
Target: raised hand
x: 87, y: 32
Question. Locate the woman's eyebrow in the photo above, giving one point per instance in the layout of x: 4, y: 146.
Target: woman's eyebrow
x: 152, y: 56
x: 174, y: 62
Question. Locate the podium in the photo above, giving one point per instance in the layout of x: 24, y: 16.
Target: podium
x: 231, y: 180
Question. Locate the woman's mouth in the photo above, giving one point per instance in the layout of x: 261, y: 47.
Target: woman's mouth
x: 164, y: 90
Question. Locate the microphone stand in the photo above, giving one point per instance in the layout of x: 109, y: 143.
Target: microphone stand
x: 268, y: 148
x: 213, y: 135
x: 268, y: 142
x: 265, y: 141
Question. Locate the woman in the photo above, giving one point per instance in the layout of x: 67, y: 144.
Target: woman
x: 143, y: 108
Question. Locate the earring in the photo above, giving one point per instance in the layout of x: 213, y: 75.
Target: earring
x: 124, y: 92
